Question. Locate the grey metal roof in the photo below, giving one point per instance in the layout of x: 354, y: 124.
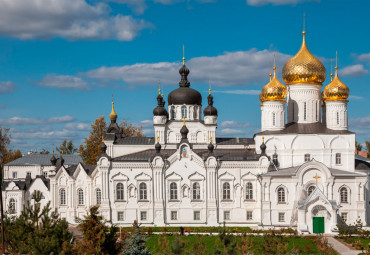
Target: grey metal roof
x: 359, y: 157
x: 88, y: 169
x: 234, y: 141
x: 301, y: 128
x: 43, y: 159
x: 135, y: 140
x: 231, y: 154
x: 142, y: 156
x: 291, y: 171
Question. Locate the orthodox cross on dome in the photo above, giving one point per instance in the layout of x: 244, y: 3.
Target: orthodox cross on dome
x: 209, y: 87
x: 159, y: 87
x: 183, y: 54
x: 316, y: 177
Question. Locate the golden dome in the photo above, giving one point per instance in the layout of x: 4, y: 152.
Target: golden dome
x: 113, y: 114
x: 304, y: 68
x: 274, y: 90
x: 336, y: 90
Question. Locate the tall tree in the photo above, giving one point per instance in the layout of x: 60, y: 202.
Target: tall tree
x: 368, y: 148
x: 44, y: 151
x: 98, y: 237
x: 358, y: 146
x: 8, y: 155
x: 66, y: 147
x: 135, y: 245
x: 129, y: 130
x: 91, y: 149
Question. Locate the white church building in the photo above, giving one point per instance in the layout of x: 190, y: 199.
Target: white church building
x: 300, y: 171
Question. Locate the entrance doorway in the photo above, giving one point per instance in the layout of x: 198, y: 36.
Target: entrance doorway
x: 318, y: 225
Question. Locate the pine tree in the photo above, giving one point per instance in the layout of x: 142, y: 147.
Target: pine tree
x: 135, y: 245
x: 98, y: 237
x: 37, y: 230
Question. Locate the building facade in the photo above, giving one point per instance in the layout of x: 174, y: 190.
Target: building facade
x: 301, y: 166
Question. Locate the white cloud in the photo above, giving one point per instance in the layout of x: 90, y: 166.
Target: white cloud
x: 145, y: 123
x: 353, y: 71
x: 364, y: 57
x: 64, y: 82
x: 229, y: 69
x: 78, y: 126
x: 234, y: 124
x: 238, y: 92
x: 14, y: 121
x: 355, y: 97
x: 148, y: 132
x: 363, y: 122
x: 277, y: 2
x: 70, y: 19
x: 7, y: 87
x: 230, y: 131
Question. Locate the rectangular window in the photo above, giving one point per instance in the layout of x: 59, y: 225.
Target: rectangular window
x: 338, y: 159
x: 28, y: 174
x: 143, y: 215
x: 196, y: 215
x: 173, y: 215
x: 344, y: 216
x: 14, y: 175
x: 120, y: 216
x: 45, y: 174
x: 226, y: 215
x: 249, y: 215
x: 307, y: 157
x: 305, y: 111
x: 281, y: 217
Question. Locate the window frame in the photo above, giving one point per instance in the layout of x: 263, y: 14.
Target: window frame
x: 281, y: 195
x: 344, y: 215
x: 184, y: 111
x: 62, y: 197
x: 343, y: 195
x: 120, y: 213
x: 338, y: 159
x: 226, y: 191
x: 173, y: 213
x: 12, y: 209
x: 249, y: 196
x: 307, y: 157
x: 227, y: 215
x: 195, y: 214
x: 310, y: 189
x: 80, y: 197
x: 143, y: 191
x: 281, y: 217
x: 249, y: 215
x: 98, y: 196
x: 15, y: 174
x: 120, y: 194
x: 196, y: 191
x: 142, y: 213
x: 173, y: 191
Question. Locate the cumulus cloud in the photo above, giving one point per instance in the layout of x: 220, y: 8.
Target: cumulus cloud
x: 364, y: 57
x: 354, y: 71
x: 234, y: 124
x: 78, y: 126
x: 145, y: 123
x: 231, y: 131
x: 14, y: 121
x: 70, y: 19
x: 64, y: 82
x: 229, y: 69
x: 7, y: 87
x: 277, y: 2
x: 351, y: 97
x: 238, y: 92
x: 363, y: 122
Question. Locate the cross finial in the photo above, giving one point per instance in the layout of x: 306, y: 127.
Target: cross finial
x: 209, y: 86
x: 336, y: 63
x: 316, y: 177
x: 184, y: 120
x: 157, y: 139
x: 331, y: 70
x: 210, y: 139
x: 263, y: 139
x: 159, y: 87
x: 304, y: 21
x: 53, y: 149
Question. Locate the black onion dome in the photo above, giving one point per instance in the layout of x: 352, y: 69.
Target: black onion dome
x: 184, y: 94
x: 103, y: 147
x: 160, y: 110
x: 263, y: 148
x: 53, y: 160
x: 210, y: 110
x: 211, y: 147
x: 157, y: 147
x: 184, y: 132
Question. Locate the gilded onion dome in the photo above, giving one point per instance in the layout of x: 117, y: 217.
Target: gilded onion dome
x: 336, y: 90
x: 274, y: 90
x: 113, y: 114
x: 304, y: 68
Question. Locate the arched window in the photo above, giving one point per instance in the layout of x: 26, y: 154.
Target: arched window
x: 281, y: 195
x: 293, y: 110
x: 62, y: 197
x: 310, y: 190
x: 344, y: 195
x: 338, y: 159
x: 275, y: 159
x: 173, y: 112
x: 119, y: 191
x: 184, y: 112
x: 226, y: 191
x: 307, y: 157
x: 249, y: 191
x: 196, y: 191
x: 305, y: 111
x: 173, y: 191
x: 12, y: 208
x: 98, y: 196
x: 273, y: 119
x: 143, y: 191
x: 80, y: 196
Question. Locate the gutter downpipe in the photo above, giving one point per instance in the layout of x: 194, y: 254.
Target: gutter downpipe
x: 259, y: 178
x: 217, y: 191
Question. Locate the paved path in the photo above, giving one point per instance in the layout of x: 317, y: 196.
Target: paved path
x: 341, y: 248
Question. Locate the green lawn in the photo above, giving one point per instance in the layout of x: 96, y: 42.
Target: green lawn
x: 303, y: 245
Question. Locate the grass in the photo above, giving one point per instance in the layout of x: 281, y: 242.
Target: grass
x: 295, y: 243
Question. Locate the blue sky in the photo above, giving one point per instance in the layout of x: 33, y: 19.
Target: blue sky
x: 61, y: 60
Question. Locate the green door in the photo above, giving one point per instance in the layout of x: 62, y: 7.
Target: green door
x: 318, y: 225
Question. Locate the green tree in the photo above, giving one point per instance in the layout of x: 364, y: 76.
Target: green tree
x: 368, y: 148
x: 8, y: 155
x: 358, y: 146
x: 135, y: 245
x: 44, y: 151
x: 98, y: 237
x: 66, y: 147
x: 37, y: 230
